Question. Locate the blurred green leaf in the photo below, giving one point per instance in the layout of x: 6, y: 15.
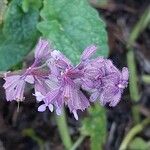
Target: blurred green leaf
x: 18, y: 34
x: 73, y: 25
x: 95, y: 127
x: 143, y: 22
x: 139, y: 144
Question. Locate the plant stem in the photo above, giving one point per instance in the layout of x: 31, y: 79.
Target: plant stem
x: 139, y: 27
x: 63, y: 130
x: 78, y: 142
x: 146, y: 79
x: 134, y: 131
x: 133, y: 84
x: 134, y: 92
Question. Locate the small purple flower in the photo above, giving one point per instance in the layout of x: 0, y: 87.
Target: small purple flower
x: 88, y: 52
x: 108, y: 81
x: 114, y: 86
x: 67, y: 92
x: 42, y: 50
x: 15, y: 85
x: 42, y: 107
x: 94, y: 71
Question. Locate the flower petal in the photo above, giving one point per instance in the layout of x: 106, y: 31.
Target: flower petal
x: 39, y: 96
x: 115, y: 99
x: 75, y: 114
x: 52, y: 95
x: 108, y: 94
x: 58, y: 111
x: 42, y: 49
x: 125, y: 73
x: 29, y: 79
x: 51, y: 108
x: 94, y: 96
x: 42, y: 108
x: 88, y: 52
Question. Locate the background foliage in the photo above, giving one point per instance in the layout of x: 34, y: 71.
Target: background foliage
x: 70, y: 26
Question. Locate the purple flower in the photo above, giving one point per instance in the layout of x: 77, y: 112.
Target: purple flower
x: 15, y: 85
x: 67, y: 94
x: 88, y: 52
x: 94, y: 71
x: 58, y: 83
x: 66, y: 91
x: 42, y: 50
x: 108, y: 81
x: 114, y: 86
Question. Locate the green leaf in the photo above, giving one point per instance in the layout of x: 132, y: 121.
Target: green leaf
x: 27, y: 4
x: 71, y: 26
x: 18, y: 34
x: 11, y: 53
x: 139, y: 144
x: 20, y: 26
x: 95, y: 127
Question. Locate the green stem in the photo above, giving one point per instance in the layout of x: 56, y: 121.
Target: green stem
x: 139, y: 27
x: 78, y: 142
x: 134, y: 92
x: 134, y: 131
x: 133, y: 84
x: 146, y: 79
x: 63, y: 130
x: 136, y: 113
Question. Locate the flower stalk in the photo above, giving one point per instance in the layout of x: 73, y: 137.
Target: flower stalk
x: 78, y: 142
x: 63, y: 130
x: 133, y: 82
x: 133, y: 132
x: 134, y: 92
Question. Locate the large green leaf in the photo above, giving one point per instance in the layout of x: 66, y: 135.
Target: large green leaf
x: 95, y: 126
x: 18, y: 34
x: 73, y: 25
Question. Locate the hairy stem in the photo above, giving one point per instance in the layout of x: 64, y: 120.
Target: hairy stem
x: 63, y: 130
x: 134, y: 131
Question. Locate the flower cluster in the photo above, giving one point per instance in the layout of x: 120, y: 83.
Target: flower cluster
x: 58, y: 83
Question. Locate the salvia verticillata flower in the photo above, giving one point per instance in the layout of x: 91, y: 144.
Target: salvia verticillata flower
x: 68, y: 90
x: 15, y: 86
x: 42, y: 50
x: 114, y: 86
x: 58, y: 83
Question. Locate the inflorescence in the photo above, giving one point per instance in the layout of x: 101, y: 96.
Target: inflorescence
x: 58, y: 83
